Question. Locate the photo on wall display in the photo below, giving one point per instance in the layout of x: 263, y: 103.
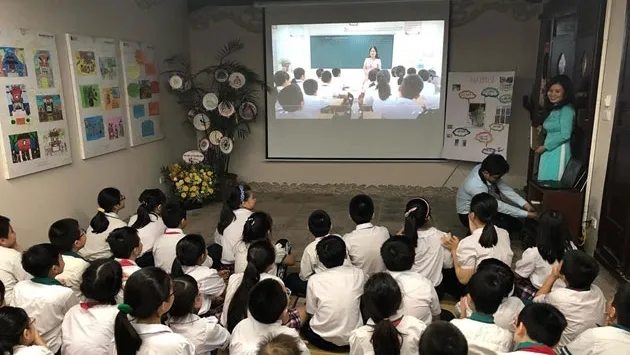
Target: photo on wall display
x: 141, y: 92
x: 96, y: 82
x: 33, y: 104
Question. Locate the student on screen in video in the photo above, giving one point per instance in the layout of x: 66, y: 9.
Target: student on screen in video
x: 281, y: 80
x: 292, y: 101
x: 429, y: 95
x: 407, y: 106
x: 299, y: 74
x: 337, y: 82
x: 383, y: 100
x: 435, y: 80
x: 319, y: 73
x: 369, y: 89
x: 313, y: 103
x: 327, y: 90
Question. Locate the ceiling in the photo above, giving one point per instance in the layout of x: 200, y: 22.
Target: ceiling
x: 197, y: 4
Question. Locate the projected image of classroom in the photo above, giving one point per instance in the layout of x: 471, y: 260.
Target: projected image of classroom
x: 369, y: 70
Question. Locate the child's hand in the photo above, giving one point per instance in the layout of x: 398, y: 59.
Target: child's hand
x: 555, y: 271
x: 225, y: 275
x: 461, y: 307
x: 450, y: 242
x: 62, y: 281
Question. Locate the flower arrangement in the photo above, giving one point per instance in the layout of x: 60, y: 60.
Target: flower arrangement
x: 190, y: 183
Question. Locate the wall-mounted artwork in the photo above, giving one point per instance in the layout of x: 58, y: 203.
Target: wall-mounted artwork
x: 33, y: 121
x: 96, y: 83
x: 141, y: 92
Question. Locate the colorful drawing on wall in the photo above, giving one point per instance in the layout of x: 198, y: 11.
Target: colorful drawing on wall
x: 138, y: 111
x: 155, y: 87
x: 145, y: 89
x: 133, y: 90
x: 13, y: 63
x: 85, y: 63
x: 49, y: 108
x: 149, y: 69
x: 111, y: 98
x: 115, y: 128
x: 43, y: 69
x: 108, y: 68
x: 90, y: 96
x: 18, y: 104
x: 148, y: 128
x: 154, y: 108
x: 55, y: 142
x: 24, y: 147
x: 94, y: 128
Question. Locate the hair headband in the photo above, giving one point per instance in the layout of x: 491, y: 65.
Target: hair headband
x: 242, y: 190
x: 100, y: 209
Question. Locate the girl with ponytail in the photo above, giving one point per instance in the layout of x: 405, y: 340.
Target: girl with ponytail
x: 18, y: 335
x: 237, y: 207
x: 110, y: 202
x: 388, y: 331
x: 148, y: 222
x: 486, y: 241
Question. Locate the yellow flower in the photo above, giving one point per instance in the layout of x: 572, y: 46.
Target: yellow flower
x: 180, y: 182
x: 187, y: 179
x: 186, y: 188
x: 210, y: 190
x: 183, y: 195
x: 192, y: 194
x: 204, y: 184
x: 194, y: 188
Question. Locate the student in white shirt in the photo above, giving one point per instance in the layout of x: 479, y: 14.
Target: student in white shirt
x: 332, y: 298
x: 206, y: 334
x: 164, y: 248
x: 126, y: 246
x: 69, y: 238
x: 364, y: 243
x: 281, y: 344
x: 369, y: 90
x: 553, y: 239
x: 486, y: 241
x: 266, y: 305
x: 19, y: 336
x: 419, y: 297
x: 110, y: 202
x: 292, y: 101
x: 326, y: 90
x: 613, y: 339
x: 191, y: 258
x: 485, y: 294
x: 313, y: 103
x: 389, y: 330
x: 299, y: 75
x: 428, y: 88
x: 237, y: 207
x: 11, y: 270
x: 539, y: 329
x: 582, y: 303
x: 138, y: 328
x: 88, y: 328
x: 337, y: 82
x: 384, y: 100
x: 43, y: 297
x: 443, y: 338
x: 148, y: 222
x: 407, y: 106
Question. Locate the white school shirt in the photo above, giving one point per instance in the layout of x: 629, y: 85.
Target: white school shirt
x: 419, y: 298
x: 31, y: 350
x: 313, y: 105
x: 128, y: 266
x: 210, y: 284
x: 240, y: 257
x: 248, y: 334
x: 48, y: 303
x: 159, y: 339
x: 431, y: 256
x: 364, y: 247
x: 484, y: 337
x: 333, y: 297
x: 88, y: 328
x: 506, y: 315
x: 72, y: 274
x: 165, y: 249
x: 470, y: 253
x: 600, y: 341
x: 149, y: 233
x: 410, y: 328
x: 233, y: 283
x: 536, y: 269
x: 206, y: 334
x: 327, y: 91
x: 96, y: 246
x: 383, y: 106
x: 233, y: 234
x: 310, y: 264
x: 11, y: 271
x: 582, y: 309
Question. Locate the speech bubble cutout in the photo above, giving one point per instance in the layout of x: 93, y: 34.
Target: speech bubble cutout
x: 461, y: 132
x: 505, y: 99
x: 484, y: 137
x: 488, y: 151
x: 490, y: 92
x: 467, y: 95
x: 497, y: 127
x: 193, y: 157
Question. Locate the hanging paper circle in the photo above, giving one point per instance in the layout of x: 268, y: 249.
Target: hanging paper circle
x: 176, y: 82
x: 204, y: 145
x: 193, y: 157
x: 221, y: 75
x: 247, y: 111
x: 226, y: 145
x: 215, y: 137
x: 237, y: 80
x: 226, y: 109
x: 210, y: 101
x: 133, y: 89
x: 201, y: 122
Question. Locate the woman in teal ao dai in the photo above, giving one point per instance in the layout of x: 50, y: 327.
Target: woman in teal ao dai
x: 558, y: 126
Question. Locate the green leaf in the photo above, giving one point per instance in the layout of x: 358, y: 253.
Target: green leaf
x: 230, y: 48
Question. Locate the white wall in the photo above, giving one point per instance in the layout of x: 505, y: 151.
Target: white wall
x: 35, y: 201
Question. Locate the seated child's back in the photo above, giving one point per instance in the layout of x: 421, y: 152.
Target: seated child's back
x: 174, y: 217
x: 69, y: 238
x: 110, y: 202
x: 11, y: 270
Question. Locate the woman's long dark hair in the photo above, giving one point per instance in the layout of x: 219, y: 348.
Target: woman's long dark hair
x: 13, y: 322
x: 485, y: 208
x: 375, y: 49
x: 569, y: 92
x: 417, y: 213
x: 382, y: 85
x: 257, y: 227
x: 236, y: 196
x: 188, y: 251
x: 553, y: 238
x: 382, y: 299
x: 107, y: 199
x: 260, y: 256
x: 149, y: 200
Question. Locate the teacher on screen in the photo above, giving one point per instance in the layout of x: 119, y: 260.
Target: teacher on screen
x: 371, y: 62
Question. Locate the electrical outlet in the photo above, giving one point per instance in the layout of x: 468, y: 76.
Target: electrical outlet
x: 161, y: 180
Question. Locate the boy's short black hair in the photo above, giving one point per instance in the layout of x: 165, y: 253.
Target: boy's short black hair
x: 442, y: 338
x: 336, y: 72
x: 267, y: 301
x: 5, y: 227
x: 39, y: 259
x: 495, y: 164
x: 331, y: 251
x: 298, y: 73
x: 397, y: 254
x: 424, y: 74
x: 412, y: 70
x: 310, y: 87
x: 280, y: 344
x: 122, y: 241
x: 172, y: 214
x: 326, y: 76
x: 544, y: 323
x: 506, y: 275
x: 319, y: 223
x: 579, y: 269
x: 361, y: 209
x: 281, y: 77
x: 372, y: 74
x: 64, y: 233
x: 319, y: 72
x: 291, y: 98
x: 486, y: 290
x: 411, y: 86
x: 621, y: 302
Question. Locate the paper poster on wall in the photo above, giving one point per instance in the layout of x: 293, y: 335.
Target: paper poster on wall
x: 141, y: 90
x: 33, y: 120
x: 96, y: 83
x: 478, y: 110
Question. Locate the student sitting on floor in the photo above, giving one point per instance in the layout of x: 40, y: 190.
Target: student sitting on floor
x: 553, y: 239
x: 66, y: 235
x: 126, y: 246
x: 333, y: 297
x: 11, y: 271
x: 443, y: 338
x: 364, y: 243
x: 148, y: 221
x: 88, y: 328
x: 390, y: 329
x: 485, y: 294
x: 110, y: 202
x: 237, y: 207
x: 281, y: 344
x: 191, y: 260
x: 419, y: 297
x: 43, y: 297
x: 539, y: 329
x: 581, y: 302
x: 267, y: 303
x: 486, y: 241
x: 613, y: 339
x: 206, y: 334
x: 19, y: 336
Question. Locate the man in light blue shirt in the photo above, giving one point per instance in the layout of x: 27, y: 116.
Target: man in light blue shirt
x: 486, y: 177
